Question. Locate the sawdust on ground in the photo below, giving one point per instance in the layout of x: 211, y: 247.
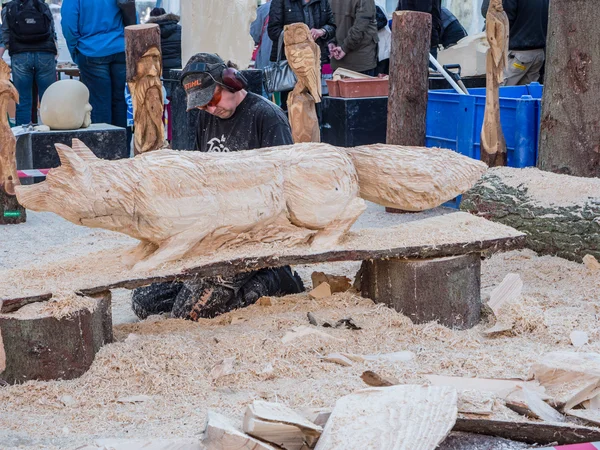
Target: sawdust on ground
x: 171, y: 360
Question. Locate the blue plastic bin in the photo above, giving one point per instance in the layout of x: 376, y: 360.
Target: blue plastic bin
x: 454, y: 121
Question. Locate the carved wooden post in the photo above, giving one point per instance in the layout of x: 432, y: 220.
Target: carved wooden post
x: 493, y: 145
x: 409, y: 78
x: 10, y: 210
x: 144, y: 68
x: 304, y: 57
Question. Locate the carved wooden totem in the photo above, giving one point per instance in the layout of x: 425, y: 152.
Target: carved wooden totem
x: 10, y: 210
x: 304, y: 57
x: 493, y: 145
x: 144, y: 68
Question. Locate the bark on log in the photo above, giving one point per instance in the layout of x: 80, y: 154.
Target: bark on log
x: 557, y: 212
x: 570, y: 129
x: 48, y: 348
x: 443, y: 289
x: 144, y: 68
x: 409, y: 78
x: 11, y: 212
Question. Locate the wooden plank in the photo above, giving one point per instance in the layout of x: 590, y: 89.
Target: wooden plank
x: 221, y: 434
x: 398, y: 417
x: 498, y: 386
x: 529, y: 432
x: 447, y: 235
x: 528, y: 403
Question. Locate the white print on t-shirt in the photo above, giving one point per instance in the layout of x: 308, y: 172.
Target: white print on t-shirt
x: 217, y: 145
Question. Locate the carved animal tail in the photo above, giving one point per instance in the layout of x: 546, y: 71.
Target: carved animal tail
x: 413, y: 178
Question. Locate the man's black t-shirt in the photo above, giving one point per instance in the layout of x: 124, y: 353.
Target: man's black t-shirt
x: 256, y: 123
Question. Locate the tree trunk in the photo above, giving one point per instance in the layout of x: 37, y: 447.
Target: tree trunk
x: 10, y: 210
x: 144, y: 68
x: 446, y: 290
x: 49, y: 348
x: 570, y: 129
x: 409, y: 78
x: 556, y: 223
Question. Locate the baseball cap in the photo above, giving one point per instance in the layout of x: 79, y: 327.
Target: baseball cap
x: 200, y: 77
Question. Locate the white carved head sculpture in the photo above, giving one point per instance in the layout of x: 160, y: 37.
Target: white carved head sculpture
x: 66, y: 106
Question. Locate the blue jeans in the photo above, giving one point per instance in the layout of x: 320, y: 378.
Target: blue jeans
x: 26, y: 67
x: 104, y: 76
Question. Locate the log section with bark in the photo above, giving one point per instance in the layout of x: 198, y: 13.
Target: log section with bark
x: 570, y: 129
x: 144, y: 68
x: 11, y: 211
x: 559, y: 213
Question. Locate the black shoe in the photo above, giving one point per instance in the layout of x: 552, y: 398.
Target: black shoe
x: 154, y: 299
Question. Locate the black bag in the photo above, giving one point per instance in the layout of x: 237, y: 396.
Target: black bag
x: 279, y: 76
x: 29, y: 21
x: 128, y: 12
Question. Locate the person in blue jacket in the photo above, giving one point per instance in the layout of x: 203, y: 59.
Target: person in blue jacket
x: 95, y: 36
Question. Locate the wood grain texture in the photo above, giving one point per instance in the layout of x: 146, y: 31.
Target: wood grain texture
x: 220, y: 434
x: 451, y: 234
x: 304, y: 57
x: 493, y: 144
x: 397, y: 417
x: 409, y: 78
x: 180, y: 203
x: 570, y: 125
x: 11, y: 212
x: 144, y: 69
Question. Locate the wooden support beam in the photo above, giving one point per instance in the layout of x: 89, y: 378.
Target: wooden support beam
x: 144, y: 68
x: 11, y: 212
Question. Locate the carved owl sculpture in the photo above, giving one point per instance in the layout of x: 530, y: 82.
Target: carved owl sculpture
x: 497, y: 28
x: 304, y: 57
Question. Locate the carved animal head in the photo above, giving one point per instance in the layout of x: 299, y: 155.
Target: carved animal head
x: 68, y: 190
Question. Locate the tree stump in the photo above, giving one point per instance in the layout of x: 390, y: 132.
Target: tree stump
x: 47, y: 348
x: 144, y: 68
x: 559, y: 213
x: 409, y: 80
x: 446, y: 290
x: 570, y: 128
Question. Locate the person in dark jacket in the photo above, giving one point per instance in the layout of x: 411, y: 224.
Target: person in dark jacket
x: 452, y: 30
x: 528, y: 21
x: 170, y: 37
x: 433, y: 7
x: 32, y: 49
x: 355, y: 44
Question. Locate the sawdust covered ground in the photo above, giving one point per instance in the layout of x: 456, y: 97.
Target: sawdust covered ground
x: 170, y: 361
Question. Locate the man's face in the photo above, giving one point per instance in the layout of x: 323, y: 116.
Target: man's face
x: 150, y: 64
x: 222, y: 105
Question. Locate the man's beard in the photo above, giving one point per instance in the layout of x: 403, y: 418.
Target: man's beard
x: 148, y: 114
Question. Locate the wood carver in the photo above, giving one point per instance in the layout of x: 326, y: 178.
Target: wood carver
x: 144, y: 68
x: 493, y: 145
x: 304, y: 57
x: 179, y: 203
x: 10, y: 210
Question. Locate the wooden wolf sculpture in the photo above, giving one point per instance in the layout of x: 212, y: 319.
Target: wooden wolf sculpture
x: 179, y: 203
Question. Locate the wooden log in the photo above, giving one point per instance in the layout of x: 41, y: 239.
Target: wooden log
x: 450, y: 234
x: 49, y: 348
x: 409, y: 78
x: 407, y: 417
x: 557, y: 212
x: 11, y: 212
x: 445, y: 289
x: 529, y: 432
x: 570, y: 126
x: 493, y: 144
x: 144, y: 68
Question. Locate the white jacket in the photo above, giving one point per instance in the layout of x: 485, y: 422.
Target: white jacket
x: 385, y: 35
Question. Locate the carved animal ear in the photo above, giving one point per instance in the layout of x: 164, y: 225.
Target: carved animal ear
x: 34, y: 197
x: 69, y: 158
x: 83, y: 151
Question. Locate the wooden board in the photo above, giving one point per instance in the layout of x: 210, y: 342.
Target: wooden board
x: 498, y: 386
x: 398, y: 417
x: 451, y: 234
x: 220, y: 434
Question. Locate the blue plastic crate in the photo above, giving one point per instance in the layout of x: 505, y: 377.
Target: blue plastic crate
x: 454, y: 121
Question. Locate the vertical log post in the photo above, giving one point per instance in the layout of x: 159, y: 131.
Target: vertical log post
x: 409, y: 80
x: 144, y: 68
x: 570, y: 130
x: 10, y: 210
